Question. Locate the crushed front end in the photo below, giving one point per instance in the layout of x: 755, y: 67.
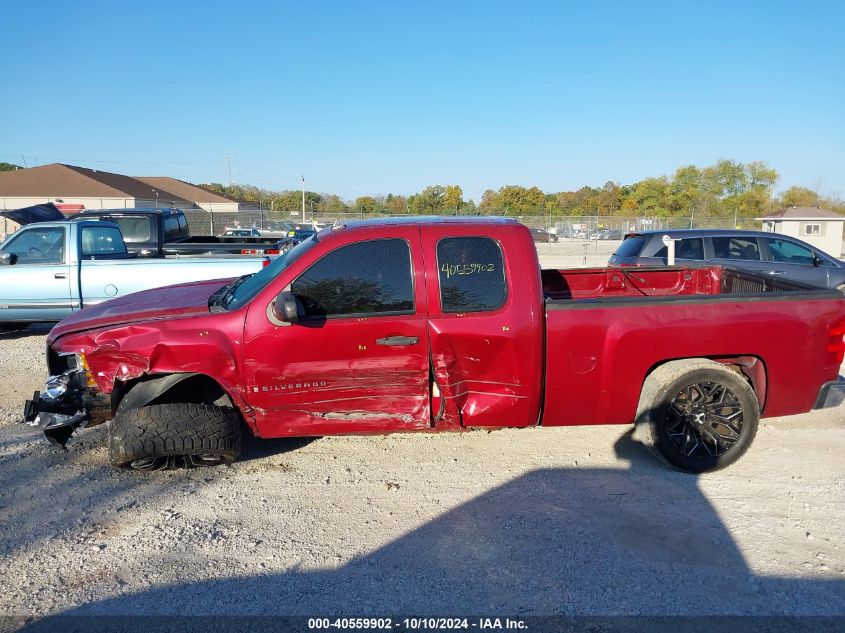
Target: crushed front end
x: 70, y: 399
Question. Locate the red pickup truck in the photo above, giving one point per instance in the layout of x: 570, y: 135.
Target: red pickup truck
x: 442, y: 325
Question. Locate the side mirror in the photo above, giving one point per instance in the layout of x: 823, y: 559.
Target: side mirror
x: 7, y: 259
x: 817, y: 261
x: 286, y: 307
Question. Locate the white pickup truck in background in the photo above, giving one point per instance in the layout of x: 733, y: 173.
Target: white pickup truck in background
x: 50, y: 269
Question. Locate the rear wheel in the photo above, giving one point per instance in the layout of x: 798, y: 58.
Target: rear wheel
x: 841, y: 288
x: 179, y: 435
x: 697, y: 415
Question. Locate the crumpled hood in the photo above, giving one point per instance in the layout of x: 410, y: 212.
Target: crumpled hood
x: 182, y: 300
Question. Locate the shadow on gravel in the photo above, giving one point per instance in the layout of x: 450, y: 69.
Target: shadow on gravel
x: 253, y: 448
x: 47, y: 492
x: 32, y: 330
x: 554, y: 541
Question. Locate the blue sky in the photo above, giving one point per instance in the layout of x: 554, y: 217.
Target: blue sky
x: 378, y: 97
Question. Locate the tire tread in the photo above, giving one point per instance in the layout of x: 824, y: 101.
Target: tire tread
x: 659, y: 381
x: 165, y: 430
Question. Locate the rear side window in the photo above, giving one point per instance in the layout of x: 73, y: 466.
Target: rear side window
x: 690, y: 248
x: 134, y: 228
x: 631, y: 246
x: 735, y: 248
x: 372, y: 278
x: 171, y: 228
x: 789, y: 252
x: 102, y: 240
x: 472, y: 274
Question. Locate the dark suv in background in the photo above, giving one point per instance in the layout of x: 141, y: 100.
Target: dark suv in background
x: 763, y: 253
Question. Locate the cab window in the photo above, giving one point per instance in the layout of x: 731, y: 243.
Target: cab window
x: 736, y: 248
x: 367, y: 278
x: 102, y: 240
x: 472, y: 274
x: 34, y: 246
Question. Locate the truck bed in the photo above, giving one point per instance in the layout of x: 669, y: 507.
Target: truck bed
x: 606, y: 283
x: 607, y: 328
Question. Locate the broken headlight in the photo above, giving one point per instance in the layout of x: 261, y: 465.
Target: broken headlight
x: 56, y: 387
x: 76, y: 362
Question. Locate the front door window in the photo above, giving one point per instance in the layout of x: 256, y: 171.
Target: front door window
x: 34, y: 246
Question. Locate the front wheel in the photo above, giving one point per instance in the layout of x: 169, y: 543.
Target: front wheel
x: 165, y: 436
x: 697, y: 415
x: 841, y: 288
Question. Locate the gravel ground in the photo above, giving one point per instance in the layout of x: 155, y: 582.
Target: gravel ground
x: 530, y: 522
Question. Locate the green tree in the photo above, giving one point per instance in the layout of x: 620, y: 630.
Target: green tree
x: 396, y: 204
x: 429, y: 200
x: 488, y: 201
x: 609, y: 199
x: 552, y: 204
x: 469, y: 208
x: 8, y: 167
x: 453, y: 197
x: 651, y: 196
x: 799, y: 197
x: 366, y: 204
x: 517, y: 200
x: 332, y: 203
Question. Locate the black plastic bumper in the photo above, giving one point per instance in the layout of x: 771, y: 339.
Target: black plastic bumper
x: 832, y: 394
x: 58, y: 419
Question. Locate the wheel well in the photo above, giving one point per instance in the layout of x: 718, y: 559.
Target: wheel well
x: 753, y: 368
x: 169, y: 389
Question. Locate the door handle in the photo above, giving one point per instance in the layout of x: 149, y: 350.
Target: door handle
x: 777, y: 273
x: 60, y: 276
x: 398, y: 340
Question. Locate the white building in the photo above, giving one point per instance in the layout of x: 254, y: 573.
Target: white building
x: 820, y: 227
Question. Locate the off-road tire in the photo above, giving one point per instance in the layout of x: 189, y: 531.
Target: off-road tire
x: 174, y: 435
x: 661, y: 387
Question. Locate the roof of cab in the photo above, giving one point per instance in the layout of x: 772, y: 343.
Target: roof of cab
x: 129, y: 211
x: 63, y: 223
x: 700, y: 232
x: 421, y: 220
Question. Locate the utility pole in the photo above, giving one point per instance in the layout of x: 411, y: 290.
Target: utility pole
x: 303, y: 199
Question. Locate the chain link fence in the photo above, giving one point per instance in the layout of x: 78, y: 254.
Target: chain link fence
x: 566, y: 227
x: 593, y: 227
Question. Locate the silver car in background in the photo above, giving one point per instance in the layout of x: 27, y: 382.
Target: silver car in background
x: 763, y: 253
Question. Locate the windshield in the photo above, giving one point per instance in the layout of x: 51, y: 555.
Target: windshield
x: 250, y: 287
